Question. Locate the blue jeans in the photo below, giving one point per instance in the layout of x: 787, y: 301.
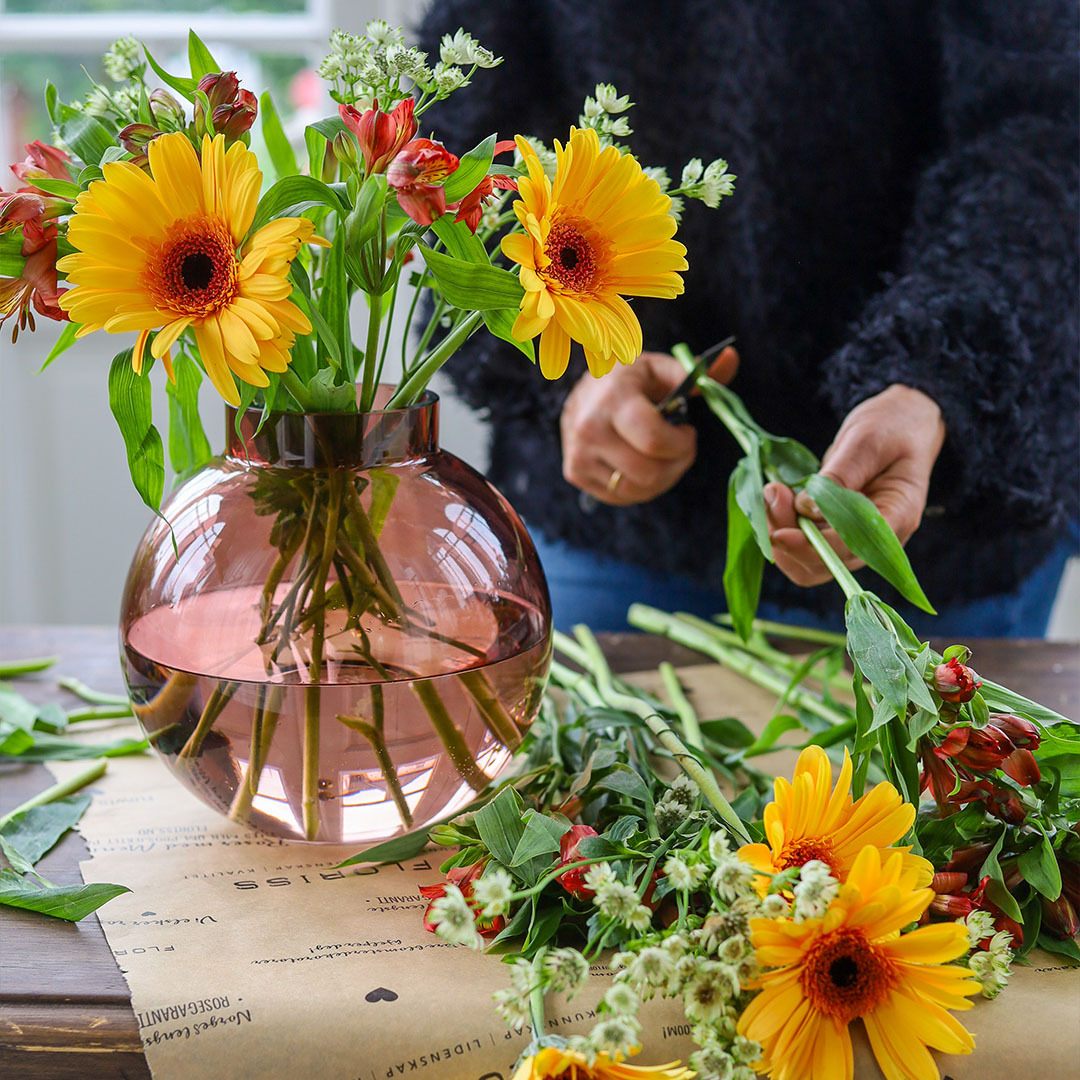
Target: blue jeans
x: 592, y: 588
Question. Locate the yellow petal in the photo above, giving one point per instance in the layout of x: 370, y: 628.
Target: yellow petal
x: 554, y: 351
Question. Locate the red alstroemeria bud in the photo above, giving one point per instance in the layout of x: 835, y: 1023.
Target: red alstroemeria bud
x: 948, y: 881
x: 573, y: 881
x: 955, y: 682
x: 986, y: 749
x: 166, y: 110
x: 19, y: 207
x: 1003, y: 922
x: 1006, y: 805
x: 234, y: 119
x: 221, y: 88
x: 1059, y: 917
x: 381, y: 136
x: 1022, y: 767
x: 967, y: 860
x: 955, y: 907
x: 417, y: 174
x: 136, y: 137
x: 1021, y: 732
x: 42, y: 162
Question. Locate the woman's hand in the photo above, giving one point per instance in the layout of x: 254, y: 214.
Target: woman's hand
x: 885, y: 448
x: 616, y: 446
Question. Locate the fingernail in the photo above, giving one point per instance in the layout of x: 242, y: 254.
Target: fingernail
x: 770, y: 496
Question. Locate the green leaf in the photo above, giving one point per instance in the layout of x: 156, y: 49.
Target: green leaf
x: 1002, y: 699
x: 860, y: 525
x: 282, y: 156
x: 598, y: 847
x: 625, y: 781
x: 500, y: 322
x: 188, y: 446
x: 66, y: 189
x: 459, y: 241
x: 541, y: 837
x: 499, y: 824
x: 180, y: 83
x: 29, y: 835
x: 743, y: 568
x: 16, y: 710
x: 1039, y: 867
x: 776, y: 727
x: 472, y: 168
x: 332, y: 320
x: 470, y: 286
x: 384, y: 485
x: 199, y: 57
x: 792, y: 461
x: 129, y: 400
x: 88, y: 137
x: 996, y: 890
x: 391, y: 851
x: 876, y: 651
x: 292, y: 196
x: 71, y: 902
x: 1068, y: 947
x: 15, y: 741
x: 749, y: 485
x: 63, y: 343
x: 728, y: 731
x: 329, y: 127
x: 11, y: 256
x: 51, y: 97
x: 56, y: 748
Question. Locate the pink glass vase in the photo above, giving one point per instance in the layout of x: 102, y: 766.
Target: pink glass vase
x: 351, y: 635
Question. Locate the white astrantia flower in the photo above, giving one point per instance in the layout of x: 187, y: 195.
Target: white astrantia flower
x: 733, y: 949
x: 492, y: 892
x: 774, y: 906
x: 979, y: 925
x: 592, y: 108
x: 649, y: 970
x: 745, y: 1051
x: 382, y: 33
x: 675, y: 945
x: 691, y: 173
x: 993, y: 965
x: 453, y: 919
x: 615, y: 1035
x: 639, y: 919
x: 598, y: 876
x: 712, y: 1062
x: 708, y: 991
x: 678, y: 873
x: 744, y: 1072
x: 814, y: 891
x: 512, y: 1008
x: 731, y: 878
x: 567, y: 970
x: 97, y: 103
x: 615, y: 900
x: 447, y: 78
x: 122, y: 59
x: 716, y: 183
x: 622, y: 1000
x: 719, y: 846
x: 609, y: 100
x: 410, y: 63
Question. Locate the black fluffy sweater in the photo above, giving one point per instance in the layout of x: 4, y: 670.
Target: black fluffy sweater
x: 905, y: 212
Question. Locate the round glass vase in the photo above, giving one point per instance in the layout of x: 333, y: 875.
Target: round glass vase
x: 339, y: 632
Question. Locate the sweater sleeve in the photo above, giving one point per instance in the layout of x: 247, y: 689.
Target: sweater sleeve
x: 523, y: 95
x: 982, y: 312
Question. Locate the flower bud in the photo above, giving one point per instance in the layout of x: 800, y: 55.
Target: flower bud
x: 955, y: 682
x: 986, y: 749
x: 968, y: 859
x: 234, y: 119
x: 951, y: 905
x: 166, y: 110
x: 1022, y: 767
x: 42, y: 162
x: 221, y: 88
x: 19, y: 207
x: 1021, y: 732
x: 1059, y: 917
x: 136, y: 137
x: 417, y: 174
x: 345, y: 151
x: 1006, y: 805
x: 1070, y: 880
x: 948, y: 881
x: 573, y: 881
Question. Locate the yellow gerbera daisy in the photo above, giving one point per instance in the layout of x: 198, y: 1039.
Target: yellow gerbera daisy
x: 164, y: 253
x: 556, y: 1063
x: 805, y: 821
x: 600, y: 232
x: 855, y: 963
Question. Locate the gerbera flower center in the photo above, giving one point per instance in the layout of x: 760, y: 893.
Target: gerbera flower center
x: 844, y: 976
x: 573, y: 260
x: 194, y: 272
x: 802, y: 851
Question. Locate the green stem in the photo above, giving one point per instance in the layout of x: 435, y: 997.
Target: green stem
x: 371, y: 354
x: 12, y: 669
x: 100, y: 712
x: 829, y: 557
x: 495, y: 717
x: 797, y: 633
x: 87, y: 693
x: 737, y: 428
x: 217, y: 701
x: 263, y: 724
x: 415, y: 384
x: 667, y: 737
x: 685, y: 711
x: 680, y: 629
x: 84, y: 776
x: 451, y: 738
x: 429, y: 331
x: 407, y: 332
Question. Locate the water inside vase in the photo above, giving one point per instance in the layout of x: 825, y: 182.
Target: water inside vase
x: 448, y: 718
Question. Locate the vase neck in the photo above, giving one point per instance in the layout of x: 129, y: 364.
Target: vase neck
x: 330, y: 439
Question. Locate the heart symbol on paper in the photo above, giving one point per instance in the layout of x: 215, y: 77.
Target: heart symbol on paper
x: 380, y: 993
x: 145, y: 913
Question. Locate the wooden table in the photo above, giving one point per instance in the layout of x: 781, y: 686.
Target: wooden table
x: 65, y: 1011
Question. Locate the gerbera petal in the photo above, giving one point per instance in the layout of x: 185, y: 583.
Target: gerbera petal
x: 554, y: 350
x: 168, y: 336
x: 176, y: 171
x: 212, y: 354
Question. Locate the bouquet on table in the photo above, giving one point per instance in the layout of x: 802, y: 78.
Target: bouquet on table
x: 151, y: 218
